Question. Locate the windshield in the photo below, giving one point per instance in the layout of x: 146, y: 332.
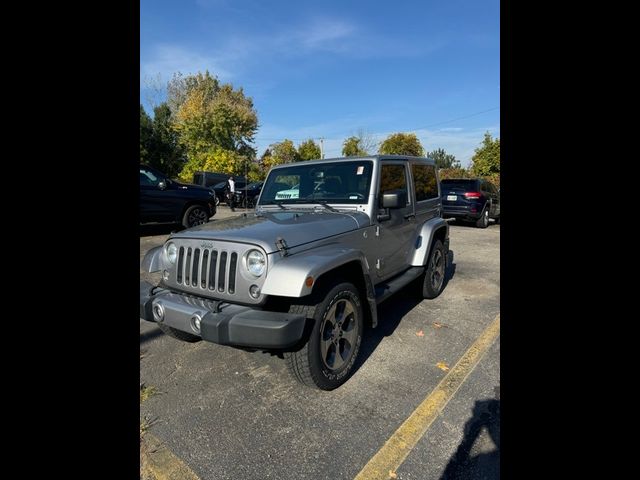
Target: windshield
x: 340, y: 182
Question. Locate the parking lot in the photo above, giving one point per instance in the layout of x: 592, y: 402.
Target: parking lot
x: 223, y: 413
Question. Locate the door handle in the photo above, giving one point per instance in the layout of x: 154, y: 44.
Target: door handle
x: 408, y: 216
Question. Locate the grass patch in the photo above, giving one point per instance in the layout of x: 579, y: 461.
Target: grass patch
x: 146, y: 392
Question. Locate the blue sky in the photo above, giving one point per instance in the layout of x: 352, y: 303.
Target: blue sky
x: 331, y: 68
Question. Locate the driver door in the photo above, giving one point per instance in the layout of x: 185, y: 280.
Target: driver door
x: 395, y: 233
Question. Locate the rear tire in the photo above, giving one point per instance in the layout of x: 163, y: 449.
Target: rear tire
x: 194, y: 215
x: 326, y: 360
x: 433, y: 276
x: 178, y: 334
x: 497, y: 220
x: 483, y: 221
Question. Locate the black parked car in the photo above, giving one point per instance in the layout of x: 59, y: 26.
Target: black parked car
x: 163, y: 200
x: 221, y: 190
x: 247, y: 196
x: 470, y: 199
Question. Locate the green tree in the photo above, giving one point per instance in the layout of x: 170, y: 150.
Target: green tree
x: 402, y: 144
x: 282, y: 152
x: 215, y: 159
x: 454, y: 172
x: 167, y: 154
x: 308, y: 150
x: 486, y: 159
x: 351, y: 147
x: 146, y: 131
x: 209, y: 114
x: 443, y: 159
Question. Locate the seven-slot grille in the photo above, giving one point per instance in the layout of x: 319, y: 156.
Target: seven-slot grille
x: 207, y: 269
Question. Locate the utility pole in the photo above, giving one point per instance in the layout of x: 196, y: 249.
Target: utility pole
x: 321, y: 147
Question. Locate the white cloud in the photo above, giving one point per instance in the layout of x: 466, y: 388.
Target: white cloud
x: 169, y: 59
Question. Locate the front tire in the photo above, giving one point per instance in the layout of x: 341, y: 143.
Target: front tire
x: 327, y: 358
x: 433, y: 276
x: 194, y: 215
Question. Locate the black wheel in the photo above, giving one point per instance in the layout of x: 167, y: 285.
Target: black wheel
x: 327, y: 358
x: 497, y: 220
x: 433, y: 277
x: 483, y: 221
x: 195, y: 215
x: 178, y: 334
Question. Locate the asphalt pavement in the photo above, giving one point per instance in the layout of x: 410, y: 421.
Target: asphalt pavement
x: 230, y: 414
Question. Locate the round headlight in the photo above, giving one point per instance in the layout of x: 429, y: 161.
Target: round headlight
x: 256, y: 263
x: 172, y: 252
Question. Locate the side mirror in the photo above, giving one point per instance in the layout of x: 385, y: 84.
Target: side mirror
x: 162, y: 185
x: 394, y: 199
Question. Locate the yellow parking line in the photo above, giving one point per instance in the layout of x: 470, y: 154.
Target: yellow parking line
x: 164, y: 465
x: 400, y: 444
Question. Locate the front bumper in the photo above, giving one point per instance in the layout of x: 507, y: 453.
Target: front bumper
x: 221, y: 323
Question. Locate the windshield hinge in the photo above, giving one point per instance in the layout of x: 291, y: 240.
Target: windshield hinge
x: 281, y: 245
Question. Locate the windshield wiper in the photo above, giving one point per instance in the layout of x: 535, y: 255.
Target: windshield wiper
x: 325, y: 205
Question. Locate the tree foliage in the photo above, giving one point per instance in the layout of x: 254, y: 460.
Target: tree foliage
x: 146, y: 130
x: 352, y: 147
x: 215, y: 159
x: 486, y: 160
x: 209, y: 114
x: 443, y: 159
x: 402, y: 144
x: 308, y: 150
x: 282, y: 152
x: 159, y: 146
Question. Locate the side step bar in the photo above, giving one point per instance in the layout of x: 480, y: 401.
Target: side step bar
x: 385, y: 289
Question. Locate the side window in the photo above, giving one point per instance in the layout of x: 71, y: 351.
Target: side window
x: 424, y: 177
x: 393, y: 177
x: 148, y: 178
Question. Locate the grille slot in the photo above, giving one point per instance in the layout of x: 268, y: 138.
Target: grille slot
x: 212, y: 269
x: 232, y: 272
x: 180, y: 265
x: 222, y: 273
x: 203, y: 273
x: 187, y: 267
x: 194, y: 271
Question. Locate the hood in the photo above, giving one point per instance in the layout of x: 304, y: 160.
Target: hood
x: 295, y: 228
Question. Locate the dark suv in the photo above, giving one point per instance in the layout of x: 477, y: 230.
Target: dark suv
x: 470, y: 199
x: 163, y: 200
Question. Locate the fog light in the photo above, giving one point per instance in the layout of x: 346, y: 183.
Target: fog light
x: 158, y: 312
x: 165, y: 275
x: 254, y: 291
x: 195, y: 322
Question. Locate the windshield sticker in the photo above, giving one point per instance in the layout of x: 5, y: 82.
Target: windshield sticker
x: 360, y: 170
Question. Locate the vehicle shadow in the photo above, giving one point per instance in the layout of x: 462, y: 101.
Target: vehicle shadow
x: 463, y: 464
x: 461, y: 223
x: 150, y: 335
x: 152, y: 229
x: 390, y: 314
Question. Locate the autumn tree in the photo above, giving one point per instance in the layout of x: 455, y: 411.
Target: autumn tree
x: 215, y: 122
x: 402, y: 144
x: 308, y: 150
x: 486, y: 159
x: 282, y: 152
x: 351, y: 148
x: 443, y: 159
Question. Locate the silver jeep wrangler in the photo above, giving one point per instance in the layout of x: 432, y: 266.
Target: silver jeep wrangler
x: 329, y: 240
